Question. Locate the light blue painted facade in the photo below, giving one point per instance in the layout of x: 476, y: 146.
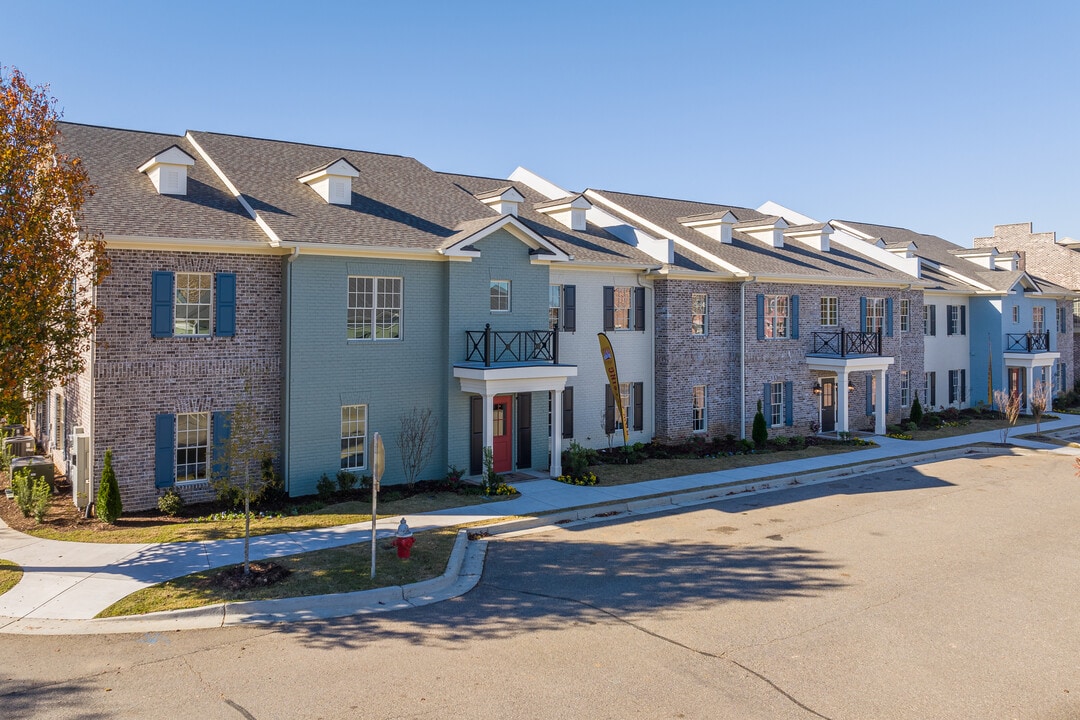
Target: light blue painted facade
x: 991, y: 323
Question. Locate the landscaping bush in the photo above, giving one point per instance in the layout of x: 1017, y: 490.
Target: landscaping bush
x: 760, y: 432
x: 577, y: 459
x: 916, y: 411
x: 22, y: 484
x: 326, y: 488
x: 346, y: 481
x: 109, y: 505
x: 171, y: 503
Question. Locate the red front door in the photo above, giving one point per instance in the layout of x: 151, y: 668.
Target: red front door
x: 502, y: 442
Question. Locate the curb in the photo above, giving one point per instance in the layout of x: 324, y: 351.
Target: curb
x: 463, y: 571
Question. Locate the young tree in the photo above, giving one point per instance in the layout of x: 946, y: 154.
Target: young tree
x: 916, y: 410
x: 760, y: 431
x: 109, y: 505
x: 239, y: 458
x: 48, y: 261
x: 1009, y: 403
x: 1040, y: 398
x: 416, y: 441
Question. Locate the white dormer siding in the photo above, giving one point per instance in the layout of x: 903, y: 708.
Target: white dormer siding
x: 568, y: 211
x: 815, y: 235
x: 985, y: 257
x: 505, y: 201
x: 333, y: 182
x: 716, y: 225
x: 768, y: 230
x: 1007, y: 261
x: 168, y: 171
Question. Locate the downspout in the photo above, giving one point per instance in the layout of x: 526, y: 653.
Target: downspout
x: 90, y: 496
x: 742, y: 356
x: 286, y: 350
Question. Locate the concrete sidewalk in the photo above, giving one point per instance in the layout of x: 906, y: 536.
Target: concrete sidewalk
x: 66, y: 584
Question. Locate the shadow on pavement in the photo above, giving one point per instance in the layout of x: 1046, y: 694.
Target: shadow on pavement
x: 28, y: 700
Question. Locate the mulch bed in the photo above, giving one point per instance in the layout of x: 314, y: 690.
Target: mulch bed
x: 262, y: 574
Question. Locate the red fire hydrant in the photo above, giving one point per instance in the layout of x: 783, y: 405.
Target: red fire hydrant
x: 404, y: 540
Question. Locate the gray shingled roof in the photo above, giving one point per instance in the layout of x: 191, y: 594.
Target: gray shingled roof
x: 594, y: 244
x: 126, y: 203
x: 746, y: 252
x: 397, y: 202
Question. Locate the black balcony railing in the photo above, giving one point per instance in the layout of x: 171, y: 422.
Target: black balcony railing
x: 502, y: 346
x: 1031, y: 342
x: 844, y: 343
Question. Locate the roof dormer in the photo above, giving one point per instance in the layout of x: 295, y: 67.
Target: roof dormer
x: 333, y: 182
x: 1007, y: 261
x: 769, y: 230
x: 570, y: 211
x: 716, y: 225
x: 505, y: 200
x: 168, y: 170
x: 986, y: 257
x: 816, y: 235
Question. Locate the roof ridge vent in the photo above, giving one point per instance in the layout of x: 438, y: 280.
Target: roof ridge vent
x: 332, y: 181
x: 168, y: 170
x: 570, y: 210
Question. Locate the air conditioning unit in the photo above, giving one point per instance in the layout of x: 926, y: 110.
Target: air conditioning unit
x: 37, y: 465
x: 19, y: 446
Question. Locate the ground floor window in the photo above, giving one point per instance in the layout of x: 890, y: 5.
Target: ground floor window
x: 905, y: 388
x: 699, y: 408
x: 192, y: 446
x: 776, y: 404
x: 353, y: 436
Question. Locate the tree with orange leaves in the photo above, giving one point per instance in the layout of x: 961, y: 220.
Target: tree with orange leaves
x: 49, y: 263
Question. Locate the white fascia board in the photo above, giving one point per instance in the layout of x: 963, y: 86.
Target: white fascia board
x: 308, y: 248
x: 851, y: 364
x: 339, y: 168
x: 515, y: 227
x: 672, y: 273
x: 541, y: 185
x: 652, y: 227
x: 853, y: 239
x: 773, y: 208
x: 172, y: 155
x: 150, y: 242
x: 846, y: 282
x: 263, y: 225
x: 728, y: 218
x: 965, y: 279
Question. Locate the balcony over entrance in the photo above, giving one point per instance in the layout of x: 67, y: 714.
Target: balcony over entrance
x: 846, y: 343
x: 496, y: 347
x: 1030, y: 342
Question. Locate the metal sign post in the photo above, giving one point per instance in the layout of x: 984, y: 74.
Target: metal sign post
x: 377, y: 470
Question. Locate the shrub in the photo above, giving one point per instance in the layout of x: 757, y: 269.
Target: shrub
x: 326, y: 488
x: 40, y: 497
x: 916, y: 411
x: 578, y: 458
x: 171, y: 503
x: 109, y: 505
x: 23, y: 486
x: 910, y: 427
x: 346, y: 481
x: 760, y: 432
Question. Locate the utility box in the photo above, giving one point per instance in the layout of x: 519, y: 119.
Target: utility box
x: 80, y: 468
x: 9, y: 430
x: 19, y: 445
x: 38, y: 465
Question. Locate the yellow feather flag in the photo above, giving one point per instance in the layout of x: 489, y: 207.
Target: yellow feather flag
x: 608, y: 354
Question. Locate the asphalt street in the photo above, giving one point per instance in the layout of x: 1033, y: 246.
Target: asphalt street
x: 947, y: 590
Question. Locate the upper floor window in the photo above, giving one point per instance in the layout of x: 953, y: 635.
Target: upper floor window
x: 194, y: 301
x: 192, y: 446
x: 956, y: 320
x: 1076, y: 310
x: 624, y: 306
x: 905, y: 315
x: 500, y: 296
x: 1016, y: 314
x: 699, y: 408
x: 699, y: 313
x: 875, y: 314
x: 554, y: 304
x: 830, y: 311
x: 353, y: 436
x: 777, y: 316
x: 1038, y: 319
x: 374, y: 311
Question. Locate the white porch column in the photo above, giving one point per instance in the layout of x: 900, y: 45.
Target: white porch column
x: 879, y: 402
x: 1029, y: 383
x: 556, y: 433
x: 489, y: 421
x: 841, y: 400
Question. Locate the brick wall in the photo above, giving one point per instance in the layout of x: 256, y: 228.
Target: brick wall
x: 136, y: 377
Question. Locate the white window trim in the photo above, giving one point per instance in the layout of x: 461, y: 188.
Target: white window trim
x: 776, y: 409
x: 830, y: 311
x: 699, y: 413
x: 905, y: 315
x: 492, y: 297
x: 905, y: 388
x: 620, y: 312
x: 378, y: 293
x: 699, y: 329
x: 875, y: 314
x: 774, y: 315
x: 555, y: 303
x: 362, y: 437
x: 209, y: 305
x: 206, y: 449
x: 1038, y: 319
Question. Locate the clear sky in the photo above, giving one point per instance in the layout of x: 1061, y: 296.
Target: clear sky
x: 944, y: 117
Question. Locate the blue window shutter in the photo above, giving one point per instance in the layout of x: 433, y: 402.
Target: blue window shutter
x: 639, y: 309
x: 888, y: 317
x: 950, y: 327
x: 609, y: 308
x: 789, y: 410
x: 760, y: 317
x: 869, y: 393
x: 953, y: 377
x: 220, y: 428
x: 963, y: 320
x: 569, y: 309
x: 963, y: 385
x: 933, y: 319
x: 161, y: 311
x: 164, y: 450
x: 766, y: 403
x: 795, y: 317
x: 887, y: 404
x: 862, y: 314
x: 225, y: 322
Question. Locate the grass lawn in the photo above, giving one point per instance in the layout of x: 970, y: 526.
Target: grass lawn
x: 10, y: 575
x: 653, y: 469
x: 62, y: 522
x: 322, y: 572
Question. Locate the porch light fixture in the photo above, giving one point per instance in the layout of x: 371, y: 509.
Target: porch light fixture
x: 817, y: 388
x: 850, y: 386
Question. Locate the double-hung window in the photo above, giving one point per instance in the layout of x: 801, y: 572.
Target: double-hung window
x: 192, y: 446
x: 929, y: 314
x: 905, y: 388
x: 905, y: 315
x: 353, y: 437
x: 776, y: 404
x: 699, y: 313
x: 1038, y: 319
x: 554, y: 305
x: 194, y: 301
x: 875, y: 314
x: 777, y: 316
x: 500, y: 296
x: 830, y: 312
x: 699, y: 409
x: 192, y: 304
x: 374, y: 311
x: 1016, y: 314
x: 624, y: 306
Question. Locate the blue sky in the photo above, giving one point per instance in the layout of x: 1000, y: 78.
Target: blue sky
x: 945, y: 117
